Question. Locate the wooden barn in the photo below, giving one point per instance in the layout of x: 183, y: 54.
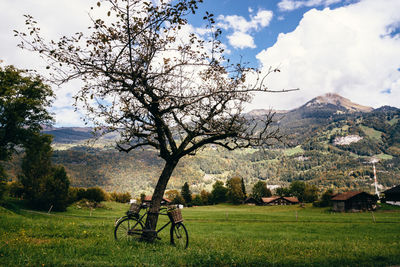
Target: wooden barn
x: 277, y: 200
x: 354, y: 201
x: 392, y: 195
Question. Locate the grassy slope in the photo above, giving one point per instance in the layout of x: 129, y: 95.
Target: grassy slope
x: 372, y: 133
x: 219, y: 235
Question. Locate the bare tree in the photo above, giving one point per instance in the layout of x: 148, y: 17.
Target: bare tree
x: 155, y: 85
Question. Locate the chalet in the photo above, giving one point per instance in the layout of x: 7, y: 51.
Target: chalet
x: 354, y: 201
x: 392, y: 195
x: 164, y: 201
x: 277, y: 200
x: 251, y: 201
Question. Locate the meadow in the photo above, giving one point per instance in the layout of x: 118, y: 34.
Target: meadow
x: 221, y: 235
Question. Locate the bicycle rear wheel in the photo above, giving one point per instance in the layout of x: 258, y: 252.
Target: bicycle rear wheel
x: 128, y: 229
x: 179, y: 236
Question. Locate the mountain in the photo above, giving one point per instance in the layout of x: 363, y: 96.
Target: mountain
x: 335, y: 103
x: 332, y: 142
x: 69, y: 134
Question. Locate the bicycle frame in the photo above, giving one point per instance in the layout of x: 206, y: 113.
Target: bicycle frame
x: 133, y: 225
x: 140, y: 220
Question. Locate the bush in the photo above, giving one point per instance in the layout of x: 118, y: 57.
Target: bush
x: 120, y: 197
x: 87, y: 204
x: 95, y: 194
x: 92, y: 194
x: 16, y: 189
x: 178, y: 200
x: 3, y: 185
x: 197, y: 201
x: 73, y: 195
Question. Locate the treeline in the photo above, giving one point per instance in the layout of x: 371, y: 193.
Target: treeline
x: 234, y: 192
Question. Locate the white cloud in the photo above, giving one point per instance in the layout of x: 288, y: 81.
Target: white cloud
x: 56, y: 18
x: 349, y: 50
x: 241, y: 40
x: 289, y: 5
x: 242, y: 27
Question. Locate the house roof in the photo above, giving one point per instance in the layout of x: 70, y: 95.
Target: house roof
x: 291, y: 199
x: 347, y: 195
x: 269, y: 199
x: 392, y: 190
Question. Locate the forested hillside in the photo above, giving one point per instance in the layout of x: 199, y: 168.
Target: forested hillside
x: 332, y: 144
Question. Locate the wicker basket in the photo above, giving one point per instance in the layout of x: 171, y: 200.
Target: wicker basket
x: 175, y: 215
x: 134, y: 208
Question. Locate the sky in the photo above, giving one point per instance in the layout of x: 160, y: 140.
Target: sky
x: 348, y: 47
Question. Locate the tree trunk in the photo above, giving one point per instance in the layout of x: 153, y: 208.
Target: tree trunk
x: 149, y: 233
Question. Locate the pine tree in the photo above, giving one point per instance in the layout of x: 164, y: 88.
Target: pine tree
x: 186, y: 194
x: 45, y: 186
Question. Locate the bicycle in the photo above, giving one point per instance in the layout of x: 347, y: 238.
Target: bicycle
x: 130, y: 227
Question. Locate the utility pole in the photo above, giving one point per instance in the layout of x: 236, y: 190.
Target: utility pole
x: 375, y: 180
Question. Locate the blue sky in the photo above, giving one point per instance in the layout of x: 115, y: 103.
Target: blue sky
x: 285, y: 18
x: 343, y: 46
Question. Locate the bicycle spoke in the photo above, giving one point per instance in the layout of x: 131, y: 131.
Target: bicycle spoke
x: 128, y: 229
x: 179, y: 236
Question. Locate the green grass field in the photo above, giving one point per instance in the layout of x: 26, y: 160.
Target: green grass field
x: 222, y: 235
x: 372, y: 133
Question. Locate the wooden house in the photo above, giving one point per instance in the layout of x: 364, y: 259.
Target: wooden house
x: 354, y: 201
x: 277, y: 200
x: 392, y: 195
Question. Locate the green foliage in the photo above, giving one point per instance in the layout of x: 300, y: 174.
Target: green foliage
x: 206, y: 197
x: 56, y: 189
x: 45, y: 186
x: 304, y: 192
x: 178, y: 199
x: 326, y: 199
x: 235, y: 190
x: 218, y: 193
x: 283, y: 191
x: 23, y: 102
x: 197, y: 201
x: 3, y: 180
x: 73, y: 194
x: 16, y: 189
x: 260, y: 190
x: 186, y: 193
x: 171, y: 194
x: 120, y: 197
x: 95, y: 194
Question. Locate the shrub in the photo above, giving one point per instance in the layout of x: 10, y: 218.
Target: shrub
x: 120, y: 197
x: 197, y: 201
x: 95, y: 194
x: 15, y: 189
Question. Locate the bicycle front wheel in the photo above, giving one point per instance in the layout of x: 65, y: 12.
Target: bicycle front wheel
x: 179, y: 236
x: 128, y: 229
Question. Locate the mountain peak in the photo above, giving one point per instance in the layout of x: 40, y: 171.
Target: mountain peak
x: 337, y: 100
